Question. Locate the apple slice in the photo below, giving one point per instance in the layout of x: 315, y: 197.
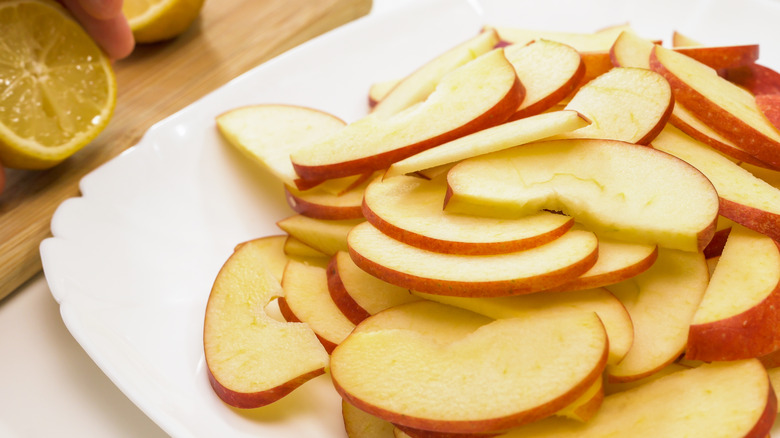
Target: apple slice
x: 434, y: 367
x: 548, y: 70
x: 725, y: 399
x: 661, y: 302
x: 615, y: 387
x: 681, y: 40
x: 420, y: 84
x: 613, y: 314
x: 620, y: 190
x: 617, y: 261
x: 727, y: 108
x: 521, y: 272
x: 493, y: 139
x: 251, y: 358
x: 359, y: 295
x: 600, y: 40
x: 739, y: 315
x: 627, y: 104
x: 744, y: 199
x: 326, y: 236
x: 722, y: 57
x: 268, y: 134
x: 409, y: 209
x: 378, y: 90
x: 359, y: 424
x: 306, y: 299
x: 756, y: 78
x: 630, y: 50
x: 475, y: 96
x: 715, y: 247
x: 587, y: 405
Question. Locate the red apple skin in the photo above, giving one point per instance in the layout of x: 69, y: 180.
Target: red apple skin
x: 771, y: 360
x: 319, y: 211
x: 756, y: 78
x: 738, y: 154
x: 483, y: 426
x: 288, y: 314
x: 752, y: 333
x: 608, y: 278
x: 492, y: 117
x: 465, y: 248
x: 766, y: 421
x: 715, y: 247
x: 338, y: 293
x: 243, y: 400
x: 769, y: 104
x: 725, y: 123
x: 758, y: 220
x: 722, y: 57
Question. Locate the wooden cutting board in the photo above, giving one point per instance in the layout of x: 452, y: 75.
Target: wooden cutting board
x: 229, y: 38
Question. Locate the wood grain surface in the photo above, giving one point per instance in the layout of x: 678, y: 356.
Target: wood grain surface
x: 229, y: 38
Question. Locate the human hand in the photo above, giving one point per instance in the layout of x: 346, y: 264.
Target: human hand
x: 104, y: 22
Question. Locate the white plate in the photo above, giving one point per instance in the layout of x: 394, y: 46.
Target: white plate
x: 132, y: 260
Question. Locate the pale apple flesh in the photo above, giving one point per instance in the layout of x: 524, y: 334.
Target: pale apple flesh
x: 739, y: 315
x: 404, y: 365
x: 326, y: 236
x: 307, y: 299
x: 520, y: 272
x: 251, y: 358
x: 662, y: 302
x: 613, y: 314
x: 410, y: 210
x: 729, y: 399
x: 359, y: 424
x: 662, y: 200
x: 493, y: 139
x: 459, y: 106
x: 267, y: 134
x: 626, y: 103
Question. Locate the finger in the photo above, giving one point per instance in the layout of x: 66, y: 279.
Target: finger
x: 113, y: 35
x: 102, y: 9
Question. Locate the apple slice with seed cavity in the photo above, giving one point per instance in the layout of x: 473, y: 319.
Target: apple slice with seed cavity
x: 620, y: 190
x: 744, y: 199
x: 475, y: 96
x: 252, y: 359
x: 727, y: 108
x: 661, y: 302
x: 728, y: 399
x: 739, y: 315
x: 493, y: 139
x: 359, y: 295
x: 514, y: 273
x: 410, y: 210
x: 627, y: 104
x: 548, y: 70
x: 613, y: 314
x: 306, y: 299
x: 420, y: 84
x: 406, y: 363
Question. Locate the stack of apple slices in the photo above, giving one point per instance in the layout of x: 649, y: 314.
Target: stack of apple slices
x: 536, y: 234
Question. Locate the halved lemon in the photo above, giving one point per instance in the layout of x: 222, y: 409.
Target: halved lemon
x: 57, y: 88
x: 157, y: 20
